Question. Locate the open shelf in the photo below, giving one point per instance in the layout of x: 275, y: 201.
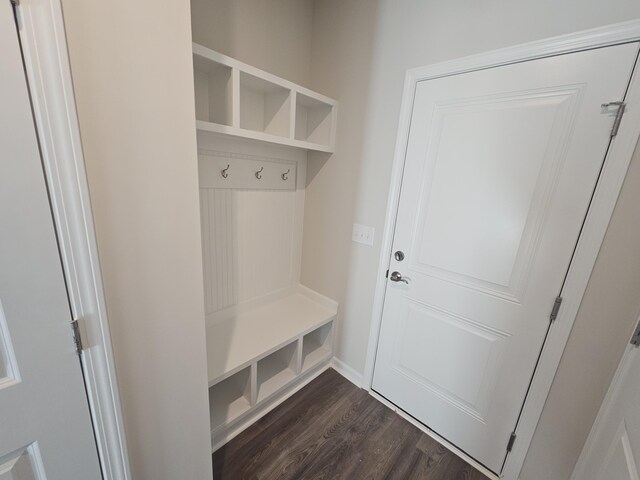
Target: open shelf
x: 264, y: 106
x: 313, y: 120
x: 257, y: 357
x: 235, y: 342
x: 206, y: 128
x: 277, y: 370
x: 233, y: 98
x: 317, y: 346
x: 213, y: 88
x: 230, y: 398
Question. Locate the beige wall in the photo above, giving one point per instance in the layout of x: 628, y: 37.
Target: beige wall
x: 602, y: 329
x: 131, y: 66
x: 274, y: 36
x: 346, y: 187
x: 360, y: 52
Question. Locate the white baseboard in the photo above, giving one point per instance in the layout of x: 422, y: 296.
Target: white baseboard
x: 347, y: 372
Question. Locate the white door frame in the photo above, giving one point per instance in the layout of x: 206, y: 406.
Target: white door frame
x: 597, y: 221
x: 44, y: 45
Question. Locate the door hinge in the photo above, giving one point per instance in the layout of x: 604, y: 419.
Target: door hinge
x: 386, y: 275
x: 512, y: 440
x: 616, y: 123
x: 555, y: 309
x: 635, y: 340
x: 77, y: 327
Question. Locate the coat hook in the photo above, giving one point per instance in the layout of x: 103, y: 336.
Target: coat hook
x: 284, y: 175
x: 258, y: 175
x: 224, y: 172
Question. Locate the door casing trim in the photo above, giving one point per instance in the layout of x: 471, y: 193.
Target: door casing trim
x: 42, y: 34
x: 606, y: 194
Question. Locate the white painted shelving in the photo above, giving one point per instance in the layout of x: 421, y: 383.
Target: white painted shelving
x: 267, y: 336
x: 257, y: 355
x: 236, y: 99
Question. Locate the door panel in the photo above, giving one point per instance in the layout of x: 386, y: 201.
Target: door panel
x: 471, y: 170
x: 45, y: 427
x: 620, y: 463
x: 8, y: 368
x: 499, y: 171
x: 614, y: 452
x: 25, y: 464
x: 428, y: 352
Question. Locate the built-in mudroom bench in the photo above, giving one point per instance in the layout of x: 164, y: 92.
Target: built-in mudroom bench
x: 255, y: 358
x: 267, y: 335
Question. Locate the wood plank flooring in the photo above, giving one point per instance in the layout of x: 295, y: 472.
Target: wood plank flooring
x: 332, y: 430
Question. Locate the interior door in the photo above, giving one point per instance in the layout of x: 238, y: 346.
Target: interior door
x: 614, y: 452
x: 45, y: 427
x: 500, y: 167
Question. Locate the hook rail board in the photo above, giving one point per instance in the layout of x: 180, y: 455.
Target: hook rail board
x: 237, y: 171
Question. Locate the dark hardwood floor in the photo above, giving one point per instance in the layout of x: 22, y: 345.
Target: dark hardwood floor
x: 332, y: 430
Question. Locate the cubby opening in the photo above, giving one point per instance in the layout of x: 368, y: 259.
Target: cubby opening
x: 213, y: 90
x: 275, y: 371
x: 230, y: 398
x: 313, y: 120
x: 264, y: 106
x: 316, y: 346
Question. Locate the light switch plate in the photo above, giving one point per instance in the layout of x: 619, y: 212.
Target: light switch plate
x: 363, y: 234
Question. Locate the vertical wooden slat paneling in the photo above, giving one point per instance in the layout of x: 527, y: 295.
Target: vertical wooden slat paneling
x: 247, y: 239
x: 206, y: 262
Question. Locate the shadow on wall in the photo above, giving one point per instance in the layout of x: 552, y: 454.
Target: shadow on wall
x: 341, y: 68
x: 274, y: 36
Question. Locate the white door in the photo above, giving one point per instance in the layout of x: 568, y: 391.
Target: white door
x: 500, y: 167
x: 45, y: 427
x: 613, y: 449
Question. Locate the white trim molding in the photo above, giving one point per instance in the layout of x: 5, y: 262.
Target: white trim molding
x: 347, y: 372
x: 597, y: 221
x: 580, y: 471
x: 46, y: 60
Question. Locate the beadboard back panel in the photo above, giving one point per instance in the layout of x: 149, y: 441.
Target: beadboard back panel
x: 251, y: 238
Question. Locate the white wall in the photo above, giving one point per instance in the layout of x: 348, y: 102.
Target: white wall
x: 360, y: 52
x: 131, y: 66
x: 274, y: 36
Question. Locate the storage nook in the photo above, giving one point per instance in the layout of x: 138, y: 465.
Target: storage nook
x: 237, y: 99
x: 267, y: 335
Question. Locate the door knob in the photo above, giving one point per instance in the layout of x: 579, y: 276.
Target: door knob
x: 397, y: 277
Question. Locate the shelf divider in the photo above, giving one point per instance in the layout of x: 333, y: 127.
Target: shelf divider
x: 235, y: 95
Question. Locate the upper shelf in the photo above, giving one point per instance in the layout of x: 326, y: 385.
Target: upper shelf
x: 234, y: 98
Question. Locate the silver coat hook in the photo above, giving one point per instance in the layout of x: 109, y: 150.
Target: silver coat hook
x: 258, y: 173
x: 224, y: 172
x: 285, y: 174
